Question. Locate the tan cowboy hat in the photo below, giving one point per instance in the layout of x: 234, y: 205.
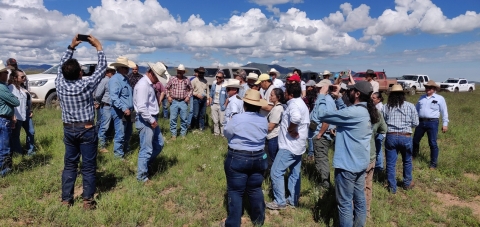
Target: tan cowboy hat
x: 431, y: 83
x: 326, y: 72
x: 110, y: 67
x: 123, y: 62
x: 233, y: 83
x: 158, y: 69
x: 253, y: 97
x: 397, y: 88
x: 252, y: 76
x: 324, y: 82
x: 4, y: 68
x: 273, y: 70
x: 181, y: 67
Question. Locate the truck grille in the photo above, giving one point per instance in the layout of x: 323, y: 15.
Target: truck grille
x: 443, y: 86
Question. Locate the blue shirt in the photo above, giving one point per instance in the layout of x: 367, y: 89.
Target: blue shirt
x: 330, y: 104
x: 120, y: 92
x: 145, y: 100
x: 354, y: 131
x: 432, y: 107
x: 76, y: 96
x: 102, y: 94
x: 235, y: 106
x: 246, y: 131
x: 400, y: 119
x: 241, y: 92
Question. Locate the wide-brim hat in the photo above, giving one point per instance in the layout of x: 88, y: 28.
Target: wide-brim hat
x: 110, y: 67
x: 181, y: 67
x: 324, y: 82
x: 273, y: 70
x: 199, y: 70
x: 396, y: 88
x: 124, y: 62
x: 326, y: 72
x: 253, y: 97
x: 234, y: 83
x: 431, y: 83
x: 158, y: 69
x: 4, y: 68
x: 252, y: 76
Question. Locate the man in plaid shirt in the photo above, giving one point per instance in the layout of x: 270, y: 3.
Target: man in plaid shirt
x: 80, y: 136
x: 179, y: 90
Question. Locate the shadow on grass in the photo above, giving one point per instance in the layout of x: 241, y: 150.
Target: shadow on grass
x: 162, y: 164
x: 325, y: 209
x: 107, y: 181
x: 31, y: 162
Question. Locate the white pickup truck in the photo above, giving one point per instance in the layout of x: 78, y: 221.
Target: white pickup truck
x: 457, y: 85
x: 412, y: 83
x: 42, y: 86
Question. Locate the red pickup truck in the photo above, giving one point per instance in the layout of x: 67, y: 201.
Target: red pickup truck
x: 382, y: 80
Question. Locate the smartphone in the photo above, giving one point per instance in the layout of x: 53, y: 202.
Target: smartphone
x: 81, y: 37
x: 332, y: 88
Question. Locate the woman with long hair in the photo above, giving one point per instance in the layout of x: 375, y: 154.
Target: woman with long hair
x: 274, y: 118
x: 309, y: 100
x: 377, y: 99
x: 23, y: 113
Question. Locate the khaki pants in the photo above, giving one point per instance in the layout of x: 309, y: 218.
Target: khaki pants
x: 217, y: 118
x: 369, y: 185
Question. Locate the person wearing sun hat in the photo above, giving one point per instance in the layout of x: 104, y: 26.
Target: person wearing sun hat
x: 235, y: 103
x: 429, y: 107
x: 121, y: 102
x: 102, y: 97
x: 246, y: 160
x: 274, y: 74
x: 266, y: 87
x: 201, y: 100
x: 146, y: 105
x: 8, y: 102
x: 251, y: 79
x: 179, y: 90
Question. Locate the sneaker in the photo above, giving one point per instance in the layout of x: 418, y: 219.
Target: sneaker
x: 289, y: 204
x: 410, y: 186
x: 89, y: 204
x: 67, y: 203
x: 103, y: 150
x: 274, y: 206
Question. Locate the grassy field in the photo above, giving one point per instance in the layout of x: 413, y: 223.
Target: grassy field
x: 189, y: 186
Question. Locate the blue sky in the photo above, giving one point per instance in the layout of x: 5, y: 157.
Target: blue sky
x: 435, y: 37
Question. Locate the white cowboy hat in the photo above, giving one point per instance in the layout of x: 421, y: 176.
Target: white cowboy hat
x: 110, y: 67
x: 123, y: 62
x: 323, y: 83
x: 326, y: 72
x: 158, y: 69
x: 233, y: 83
x: 182, y: 68
x: 252, y: 76
x: 396, y: 88
x: 4, y: 68
x: 273, y: 70
x: 253, y: 97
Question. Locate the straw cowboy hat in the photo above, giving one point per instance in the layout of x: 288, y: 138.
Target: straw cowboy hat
x: 324, y: 82
x: 4, y: 68
x: 233, y: 83
x: 252, y: 76
x: 326, y: 72
x: 110, y: 67
x: 158, y: 69
x: 253, y: 97
x: 397, y: 88
x: 123, y: 62
x: 431, y: 83
x: 181, y: 67
x: 273, y: 70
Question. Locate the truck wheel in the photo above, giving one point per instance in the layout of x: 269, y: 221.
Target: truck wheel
x: 456, y: 90
x: 413, y: 90
x: 52, y: 101
x: 470, y: 90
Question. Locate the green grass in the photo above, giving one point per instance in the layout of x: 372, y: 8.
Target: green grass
x: 189, y: 185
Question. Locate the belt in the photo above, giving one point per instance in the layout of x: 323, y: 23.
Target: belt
x: 244, y: 152
x: 179, y: 100
x: 88, y: 124
x: 400, y: 133
x: 428, y: 119
x: 6, y: 117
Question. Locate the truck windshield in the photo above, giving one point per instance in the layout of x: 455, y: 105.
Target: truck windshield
x: 211, y: 72
x: 451, y: 81
x: 359, y: 75
x: 409, y: 77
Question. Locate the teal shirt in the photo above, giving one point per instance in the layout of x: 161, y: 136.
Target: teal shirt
x: 8, y: 101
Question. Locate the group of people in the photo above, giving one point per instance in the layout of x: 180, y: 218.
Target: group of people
x: 267, y: 123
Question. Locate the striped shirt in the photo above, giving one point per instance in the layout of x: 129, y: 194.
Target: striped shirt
x: 400, y: 119
x: 76, y: 96
x: 179, y: 88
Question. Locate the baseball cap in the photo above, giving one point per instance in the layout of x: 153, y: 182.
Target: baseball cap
x: 310, y: 83
x: 324, y: 82
x: 363, y: 87
x: 294, y: 77
x: 263, y: 77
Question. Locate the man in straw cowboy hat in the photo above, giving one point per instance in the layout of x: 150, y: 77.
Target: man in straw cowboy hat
x: 274, y: 74
x: 146, y: 105
x: 179, y: 90
x: 400, y: 116
x: 235, y: 103
x: 201, y: 100
x: 80, y: 136
x: 429, y: 107
x: 102, y: 96
x: 8, y: 102
x: 121, y: 98
x: 246, y: 160
x: 292, y: 140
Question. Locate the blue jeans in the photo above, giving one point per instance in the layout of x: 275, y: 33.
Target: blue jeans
x: 310, y: 142
x: 199, y: 110
x: 79, y: 141
x: 123, y: 132
x: 27, y: 125
x: 105, y: 119
x: 178, y: 107
x: 286, y: 159
x: 379, y: 153
x: 5, y: 153
x: 164, y: 107
x: 272, y: 145
x: 190, y: 110
x: 244, y: 174
x: 393, y: 145
x: 431, y: 128
x: 349, y: 189
x: 151, y: 144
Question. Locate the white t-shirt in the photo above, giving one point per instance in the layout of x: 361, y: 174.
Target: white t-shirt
x: 277, y: 83
x: 375, y: 85
x: 266, y: 95
x: 218, y: 88
x: 303, y: 85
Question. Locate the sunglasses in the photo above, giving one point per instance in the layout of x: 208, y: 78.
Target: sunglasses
x: 219, y: 77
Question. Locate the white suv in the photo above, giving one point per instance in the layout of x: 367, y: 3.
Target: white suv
x: 42, y: 86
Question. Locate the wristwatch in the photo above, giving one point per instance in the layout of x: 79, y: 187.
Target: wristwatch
x: 70, y: 48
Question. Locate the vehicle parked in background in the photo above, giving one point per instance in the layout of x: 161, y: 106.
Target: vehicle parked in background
x: 228, y: 71
x: 384, y: 83
x: 42, y: 85
x: 412, y: 83
x: 306, y: 76
x: 457, y: 85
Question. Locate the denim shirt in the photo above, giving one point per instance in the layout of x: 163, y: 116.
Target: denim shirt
x: 354, y: 131
x: 330, y: 104
x: 246, y: 131
x: 235, y: 106
x: 223, y: 96
x: 102, y: 94
x: 120, y: 92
